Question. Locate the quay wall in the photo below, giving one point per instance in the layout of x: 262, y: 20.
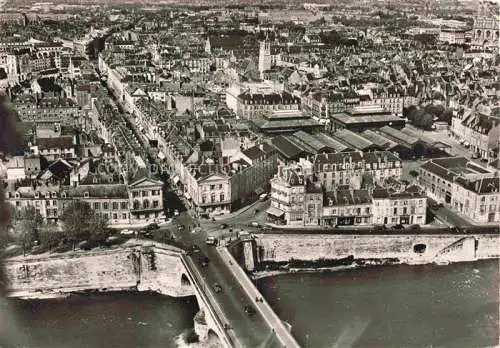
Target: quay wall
x: 139, y: 267
x: 310, y: 247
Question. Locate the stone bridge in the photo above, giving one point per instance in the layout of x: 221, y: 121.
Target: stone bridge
x: 140, y: 266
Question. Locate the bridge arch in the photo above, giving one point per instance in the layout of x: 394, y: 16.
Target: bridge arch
x: 212, y: 334
x: 185, y: 280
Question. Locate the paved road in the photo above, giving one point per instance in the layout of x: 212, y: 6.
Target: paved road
x: 251, y: 330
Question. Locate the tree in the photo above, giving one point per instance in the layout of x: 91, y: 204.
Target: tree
x: 409, y: 112
x: 331, y: 38
x: 81, y: 222
x: 28, y: 223
x: 414, y: 173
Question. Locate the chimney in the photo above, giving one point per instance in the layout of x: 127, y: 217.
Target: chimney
x: 478, y: 185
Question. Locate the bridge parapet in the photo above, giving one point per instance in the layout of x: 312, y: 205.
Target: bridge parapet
x: 212, y: 314
x: 281, y: 330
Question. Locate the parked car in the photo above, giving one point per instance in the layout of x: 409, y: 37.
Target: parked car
x: 84, y: 245
x: 127, y: 232
x: 176, y: 212
x: 152, y: 227
x: 377, y: 228
x: 476, y: 155
x: 415, y: 227
x: 398, y: 227
x: 263, y: 197
x: 254, y: 224
x: 111, y: 240
x: 249, y: 310
x: 217, y: 288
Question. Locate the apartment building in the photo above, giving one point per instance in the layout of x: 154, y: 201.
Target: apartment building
x: 346, y: 206
x: 351, y: 168
x: 465, y: 187
x: 299, y: 199
x: 406, y: 207
x: 289, y: 190
x: 252, y: 100
x: 146, y: 199
x: 479, y: 132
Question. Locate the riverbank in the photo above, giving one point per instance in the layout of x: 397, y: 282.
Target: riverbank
x: 356, y: 264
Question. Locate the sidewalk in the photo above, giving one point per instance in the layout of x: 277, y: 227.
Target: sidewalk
x: 221, y: 218
x: 279, y: 328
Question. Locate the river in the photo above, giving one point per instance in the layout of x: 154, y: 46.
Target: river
x: 391, y: 306
x: 121, y: 320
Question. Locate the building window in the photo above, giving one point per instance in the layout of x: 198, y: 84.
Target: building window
x: 395, y: 212
x: 115, y: 205
x: 135, y: 194
x: 203, y: 199
x: 212, y: 187
x: 155, y: 204
x: 97, y: 206
x: 124, y: 205
x: 221, y: 197
x: 115, y: 216
x: 144, y: 193
x: 124, y: 216
x: 85, y: 195
x: 146, y: 204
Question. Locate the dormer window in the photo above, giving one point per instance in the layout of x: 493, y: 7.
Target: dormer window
x: 37, y: 194
x: 17, y: 195
x: 85, y: 195
x: 47, y: 194
x: 63, y: 195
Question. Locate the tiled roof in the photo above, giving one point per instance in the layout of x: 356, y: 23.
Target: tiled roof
x: 96, y: 191
x: 64, y: 142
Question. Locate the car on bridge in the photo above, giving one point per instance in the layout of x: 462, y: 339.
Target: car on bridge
x: 211, y: 240
x: 249, y: 310
x: 204, y: 261
x: 217, y: 288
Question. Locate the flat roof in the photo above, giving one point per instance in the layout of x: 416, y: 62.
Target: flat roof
x: 347, y: 119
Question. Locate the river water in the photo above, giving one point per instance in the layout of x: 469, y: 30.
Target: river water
x: 121, y: 320
x: 392, y: 306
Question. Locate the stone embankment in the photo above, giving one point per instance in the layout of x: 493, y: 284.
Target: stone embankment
x: 139, y: 266
x: 407, y: 248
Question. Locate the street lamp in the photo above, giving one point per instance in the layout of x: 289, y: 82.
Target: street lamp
x: 307, y: 340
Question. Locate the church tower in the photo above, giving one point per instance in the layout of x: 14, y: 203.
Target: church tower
x: 485, y: 31
x: 264, y: 56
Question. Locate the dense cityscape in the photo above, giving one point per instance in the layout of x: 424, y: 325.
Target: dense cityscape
x: 190, y: 150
